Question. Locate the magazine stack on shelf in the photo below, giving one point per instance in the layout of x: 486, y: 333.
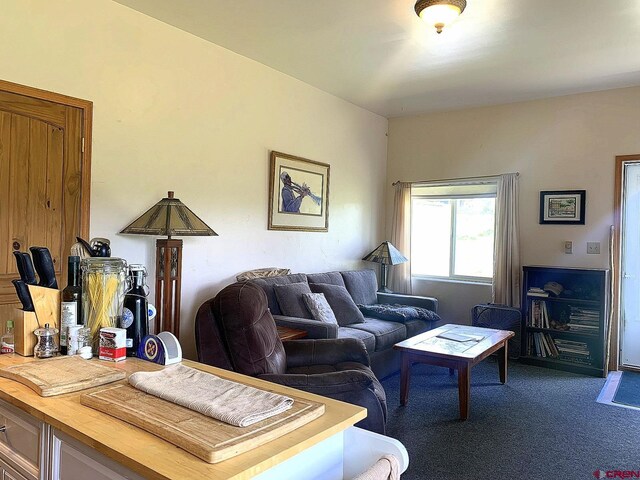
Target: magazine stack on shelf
x: 573, y: 351
x: 584, y: 320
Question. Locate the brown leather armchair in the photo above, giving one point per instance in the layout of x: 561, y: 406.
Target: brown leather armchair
x: 236, y: 331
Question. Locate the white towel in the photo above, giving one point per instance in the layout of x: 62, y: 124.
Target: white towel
x: 387, y: 468
x: 224, y: 400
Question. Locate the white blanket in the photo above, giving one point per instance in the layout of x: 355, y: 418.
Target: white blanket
x: 224, y: 400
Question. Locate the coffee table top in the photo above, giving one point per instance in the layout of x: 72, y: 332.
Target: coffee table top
x: 430, y: 343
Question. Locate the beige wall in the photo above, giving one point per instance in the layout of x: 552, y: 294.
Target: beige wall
x: 561, y: 143
x: 173, y: 112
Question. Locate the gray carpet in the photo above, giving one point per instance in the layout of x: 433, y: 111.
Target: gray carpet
x: 542, y: 424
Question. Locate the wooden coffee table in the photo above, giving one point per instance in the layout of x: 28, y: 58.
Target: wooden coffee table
x: 431, y: 349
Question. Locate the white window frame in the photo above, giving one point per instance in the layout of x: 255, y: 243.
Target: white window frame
x: 491, y: 183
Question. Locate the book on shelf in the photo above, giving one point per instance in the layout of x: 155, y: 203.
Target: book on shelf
x: 539, y: 316
x: 537, y: 292
x: 541, y: 345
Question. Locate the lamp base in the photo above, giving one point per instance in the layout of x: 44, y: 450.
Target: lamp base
x: 168, y: 285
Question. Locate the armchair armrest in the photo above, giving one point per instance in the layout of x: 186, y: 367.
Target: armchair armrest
x: 429, y: 303
x: 330, y: 383
x: 325, y: 352
x: 314, y: 328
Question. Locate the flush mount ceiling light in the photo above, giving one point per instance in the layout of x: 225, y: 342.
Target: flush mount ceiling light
x: 439, y: 13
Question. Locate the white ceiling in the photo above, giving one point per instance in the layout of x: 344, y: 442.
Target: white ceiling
x: 378, y: 54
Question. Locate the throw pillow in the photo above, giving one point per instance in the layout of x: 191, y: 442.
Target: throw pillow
x: 290, y: 299
x: 319, y: 307
x: 343, y: 306
x: 398, y: 313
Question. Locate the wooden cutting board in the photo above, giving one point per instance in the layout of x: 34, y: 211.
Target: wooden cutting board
x: 54, y: 376
x: 207, y: 438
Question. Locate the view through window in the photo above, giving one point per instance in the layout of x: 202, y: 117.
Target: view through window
x: 452, y: 231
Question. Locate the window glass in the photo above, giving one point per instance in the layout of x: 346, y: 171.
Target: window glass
x: 430, y: 236
x: 474, y: 237
x: 452, y: 231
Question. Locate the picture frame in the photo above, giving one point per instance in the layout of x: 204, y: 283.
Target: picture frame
x: 298, y: 194
x: 563, y: 207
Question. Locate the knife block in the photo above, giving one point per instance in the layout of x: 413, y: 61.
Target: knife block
x: 24, y: 325
x: 46, y: 303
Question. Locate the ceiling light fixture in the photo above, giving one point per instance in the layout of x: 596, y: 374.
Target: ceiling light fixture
x: 440, y: 13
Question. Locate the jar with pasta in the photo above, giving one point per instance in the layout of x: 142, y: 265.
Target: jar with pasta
x: 104, y: 283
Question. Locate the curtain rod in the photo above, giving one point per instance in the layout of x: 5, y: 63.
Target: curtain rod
x: 453, y: 179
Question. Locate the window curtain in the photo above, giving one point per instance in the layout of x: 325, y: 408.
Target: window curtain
x: 400, y: 275
x: 506, y: 255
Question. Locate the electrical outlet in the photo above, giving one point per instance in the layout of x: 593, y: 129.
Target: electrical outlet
x: 568, y: 247
x: 593, y: 248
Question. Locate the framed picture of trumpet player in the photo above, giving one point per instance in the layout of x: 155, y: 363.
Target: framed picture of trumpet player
x: 298, y: 194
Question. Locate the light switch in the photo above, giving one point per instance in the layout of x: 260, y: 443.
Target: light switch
x: 568, y: 247
x: 593, y: 248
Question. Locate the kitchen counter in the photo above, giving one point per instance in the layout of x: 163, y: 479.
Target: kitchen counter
x: 153, y: 458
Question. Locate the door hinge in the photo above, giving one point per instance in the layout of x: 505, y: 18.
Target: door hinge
x: 82, y: 148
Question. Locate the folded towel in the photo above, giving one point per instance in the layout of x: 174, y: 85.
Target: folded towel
x: 387, y: 468
x: 224, y: 400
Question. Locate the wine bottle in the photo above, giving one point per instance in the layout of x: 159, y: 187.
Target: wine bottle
x: 71, y: 305
x: 135, y: 314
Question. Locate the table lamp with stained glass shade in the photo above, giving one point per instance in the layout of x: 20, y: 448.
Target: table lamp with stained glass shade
x: 168, y: 217
x: 385, y: 254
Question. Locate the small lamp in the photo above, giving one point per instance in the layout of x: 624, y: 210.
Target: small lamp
x: 385, y: 254
x: 168, y: 217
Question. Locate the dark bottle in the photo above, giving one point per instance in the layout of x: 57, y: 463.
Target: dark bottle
x: 135, y: 314
x: 71, y: 305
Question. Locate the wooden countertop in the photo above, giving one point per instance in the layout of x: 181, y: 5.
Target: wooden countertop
x: 154, y: 458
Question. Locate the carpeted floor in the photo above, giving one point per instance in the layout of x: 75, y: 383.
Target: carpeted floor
x: 542, y: 424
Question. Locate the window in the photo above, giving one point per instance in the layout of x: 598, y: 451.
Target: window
x: 452, y: 230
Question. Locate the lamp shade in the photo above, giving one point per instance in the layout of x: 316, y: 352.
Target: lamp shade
x: 169, y: 217
x: 386, y: 254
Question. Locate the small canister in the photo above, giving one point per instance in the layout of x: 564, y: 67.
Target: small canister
x: 73, y: 339
x: 47, y: 345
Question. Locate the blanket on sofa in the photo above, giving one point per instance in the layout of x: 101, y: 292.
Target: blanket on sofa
x: 398, y: 313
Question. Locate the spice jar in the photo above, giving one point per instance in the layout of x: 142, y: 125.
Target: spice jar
x: 47, y: 345
x: 104, y: 283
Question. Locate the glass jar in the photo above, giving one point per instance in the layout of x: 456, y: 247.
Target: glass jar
x: 104, y: 283
x: 47, y: 345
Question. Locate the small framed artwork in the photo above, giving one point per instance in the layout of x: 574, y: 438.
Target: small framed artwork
x: 565, y: 207
x: 298, y: 194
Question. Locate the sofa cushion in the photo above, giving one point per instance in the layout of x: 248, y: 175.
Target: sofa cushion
x: 367, y: 338
x: 362, y: 286
x: 290, y: 299
x: 341, y: 303
x: 387, y: 333
x: 330, y: 278
x: 319, y: 307
x: 398, y: 313
x: 267, y: 285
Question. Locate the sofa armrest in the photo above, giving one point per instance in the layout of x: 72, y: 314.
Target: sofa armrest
x: 346, y: 381
x: 314, y: 328
x: 325, y: 352
x: 429, y: 303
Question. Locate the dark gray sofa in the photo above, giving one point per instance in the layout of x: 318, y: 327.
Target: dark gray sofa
x: 378, y: 335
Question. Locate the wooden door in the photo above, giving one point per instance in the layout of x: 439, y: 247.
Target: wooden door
x: 44, y: 177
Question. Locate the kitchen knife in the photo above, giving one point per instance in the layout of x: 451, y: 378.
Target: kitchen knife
x: 22, y: 289
x: 29, y: 273
x: 25, y: 267
x: 43, y: 264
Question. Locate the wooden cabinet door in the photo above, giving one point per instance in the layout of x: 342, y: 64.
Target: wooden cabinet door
x: 41, y: 182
